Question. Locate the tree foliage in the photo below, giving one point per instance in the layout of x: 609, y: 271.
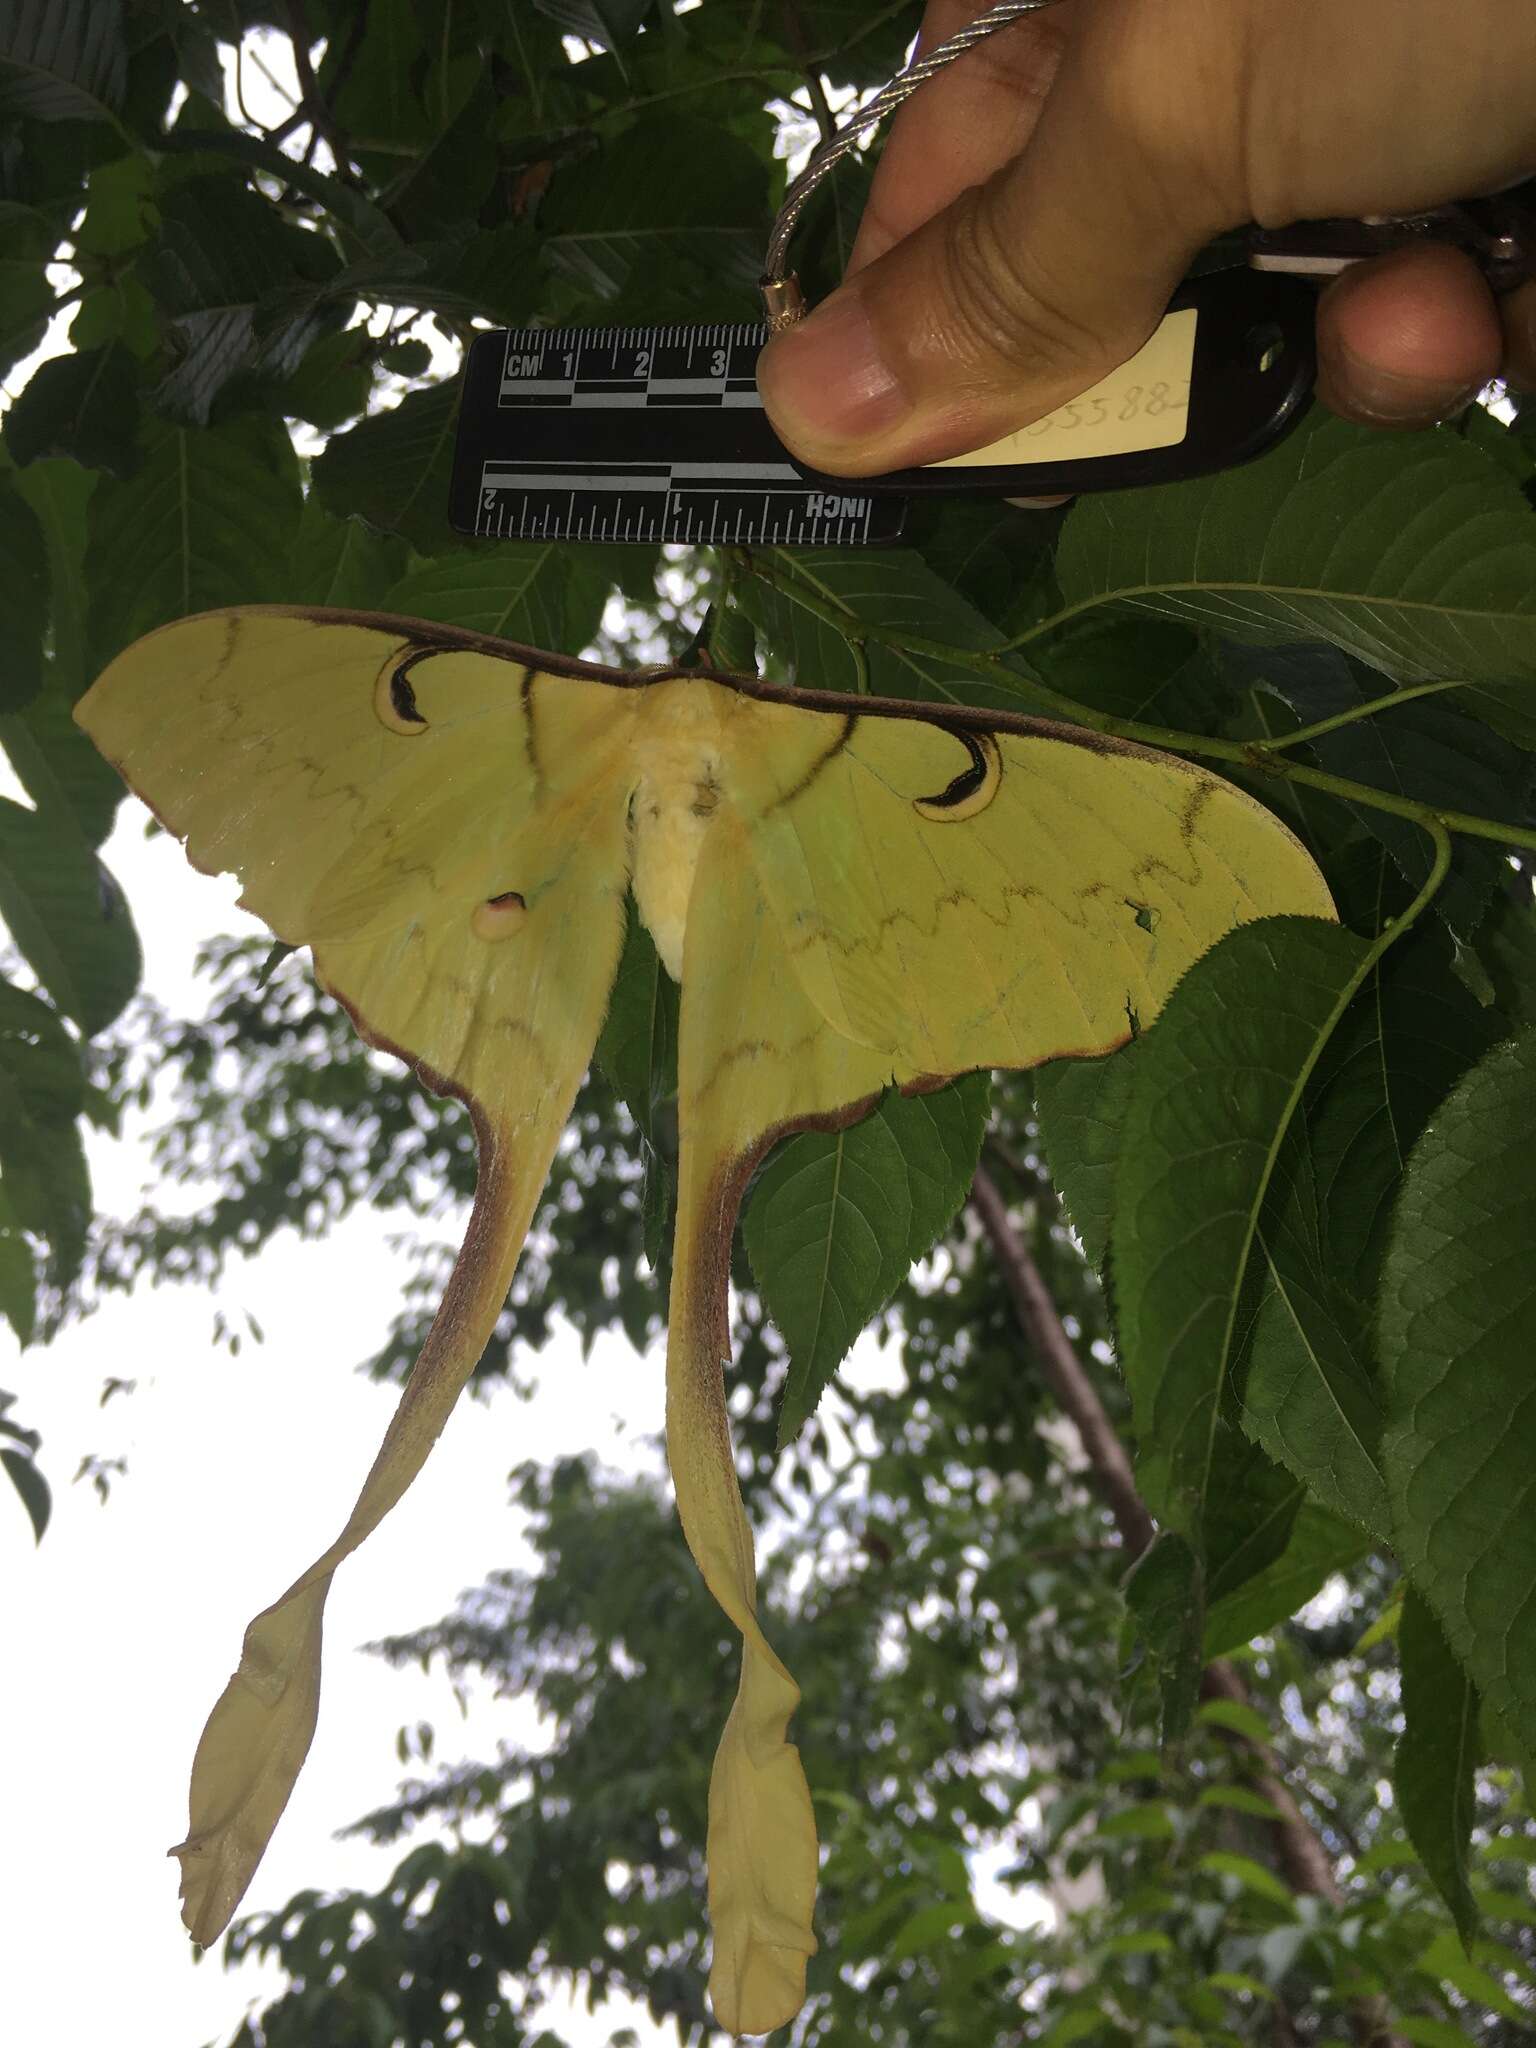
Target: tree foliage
x: 1294, y: 1263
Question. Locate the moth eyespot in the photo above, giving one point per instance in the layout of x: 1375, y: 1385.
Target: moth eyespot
x: 972, y: 789
x: 394, y: 701
x: 498, y: 917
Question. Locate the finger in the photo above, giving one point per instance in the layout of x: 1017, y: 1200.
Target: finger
x: 1517, y: 311
x: 1024, y: 291
x: 1407, y: 339
x: 966, y: 122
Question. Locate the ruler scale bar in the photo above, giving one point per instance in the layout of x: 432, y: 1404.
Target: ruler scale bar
x: 658, y: 433
x: 639, y: 433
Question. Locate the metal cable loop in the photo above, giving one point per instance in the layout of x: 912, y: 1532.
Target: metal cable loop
x: 781, y: 291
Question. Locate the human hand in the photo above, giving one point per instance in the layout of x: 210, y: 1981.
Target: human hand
x: 1039, y: 200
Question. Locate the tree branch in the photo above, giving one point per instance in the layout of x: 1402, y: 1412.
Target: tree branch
x: 1301, y: 1853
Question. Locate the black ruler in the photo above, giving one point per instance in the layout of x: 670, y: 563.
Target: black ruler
x: 658, y: 434
x: 639, y: 433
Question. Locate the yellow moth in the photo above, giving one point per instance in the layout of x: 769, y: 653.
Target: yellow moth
x: 852, y: 893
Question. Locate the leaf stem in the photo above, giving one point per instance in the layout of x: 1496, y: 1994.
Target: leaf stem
x: 1260, y: 756
x: 1356, y: 713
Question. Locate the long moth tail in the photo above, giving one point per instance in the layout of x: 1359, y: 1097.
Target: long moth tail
x: 258, y: 1735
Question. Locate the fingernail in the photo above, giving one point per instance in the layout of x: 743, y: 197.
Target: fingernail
x: 1364, y: 391
x: 826, y: 380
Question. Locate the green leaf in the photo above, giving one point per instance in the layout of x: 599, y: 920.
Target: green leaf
x: 642, y: 231
x: 1427, y: 750
x: 394, y: 469
x: 530, y: 591
x: 1251, y: 1876
x: 1444, y: 1963
x: 836, y: 1219
x: 1309, y: 1394
x: 1457, y: 1303
x: 1217, y: 1083
x: 370, y: 227
x: 57, y: 765
x: 1165, y: 1596
x: 1238, y: 1799
x: 1427, y: 2033
x: 1321, y: 1543
x: 32, y: 1487
x: 84, y: 406
x: 26, y: 297
x: 1405, y: 1041
x: 637, y: 1048
x: 342, y: 562
x: 888, y: 587
x: 67, y: 915
x: 930, y: 1926
x: 1148, y: 1821
x: 208, y: 520
x: 59, y: 494
x: 1236, y: 1717
x: 18, y: 1268
x: 44, y: 1186
x: 62, y: 60
x: 1414, y: 552
x: 23, y: 598
x: 1437, y: 1756
x: 1081, y: 1108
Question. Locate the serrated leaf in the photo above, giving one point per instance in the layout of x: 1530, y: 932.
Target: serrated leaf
x: 394, y: 469
x: 1310, y: 1393
x: 1217, y: 1083
x: 67, y: 915
x: 1165, y: 1595
x: 1437, y: 1755
x: 826, y: 1230
x: 208, y: 520
x: 1081, y: 1107
x: 836, y: 1219
x: 519, y: 590
x: 1414, y: 552
x: 889, y: 587
x: 1458, y: 1300
x: 32, y: 1487
x: 1320, y: 1544
x: 342, y: 562
x: 62, y: 60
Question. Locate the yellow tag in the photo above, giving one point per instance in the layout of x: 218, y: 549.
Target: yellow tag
x: 1143, y: 404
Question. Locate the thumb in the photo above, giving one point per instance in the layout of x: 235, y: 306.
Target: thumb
x: 1015, y: 298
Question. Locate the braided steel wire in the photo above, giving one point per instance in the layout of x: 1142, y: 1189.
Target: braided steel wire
x: 830, y: 153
